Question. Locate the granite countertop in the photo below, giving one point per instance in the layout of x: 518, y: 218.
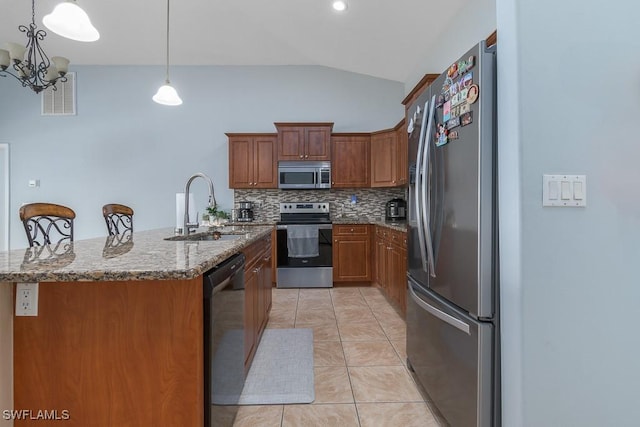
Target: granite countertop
x: 143, y: 255
x: 399, y: 225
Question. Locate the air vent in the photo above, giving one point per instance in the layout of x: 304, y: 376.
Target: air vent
x: 60, y: 102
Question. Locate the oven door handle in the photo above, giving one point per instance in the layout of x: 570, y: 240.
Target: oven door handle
x: 320, y: 226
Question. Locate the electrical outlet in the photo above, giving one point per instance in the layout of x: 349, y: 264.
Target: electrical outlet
x: 27, y: 299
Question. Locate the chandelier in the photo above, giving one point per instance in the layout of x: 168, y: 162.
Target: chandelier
x: 30, y: 64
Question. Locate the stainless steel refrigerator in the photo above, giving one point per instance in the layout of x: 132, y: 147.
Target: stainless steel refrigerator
x: 452, y: 298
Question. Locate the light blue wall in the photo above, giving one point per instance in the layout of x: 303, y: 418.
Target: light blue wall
x: 474, y: 22
x: 569, y: 93
x: 122, y: 147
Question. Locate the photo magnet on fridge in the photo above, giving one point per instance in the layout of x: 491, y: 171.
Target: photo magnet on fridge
x: 464, y: 108
x: 453, y: 123
x: 446, y: 111
x: 467, y: 80
x: 472, y: 94
x: 440, y: 101
x: 466, y: 118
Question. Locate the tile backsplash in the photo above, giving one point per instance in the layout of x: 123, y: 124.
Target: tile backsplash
x: 370, y: 202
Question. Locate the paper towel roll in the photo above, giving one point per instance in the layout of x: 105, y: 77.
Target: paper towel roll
x: 193, y: 215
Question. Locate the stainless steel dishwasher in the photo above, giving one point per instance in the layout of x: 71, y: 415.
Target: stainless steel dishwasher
x: 223, y: 316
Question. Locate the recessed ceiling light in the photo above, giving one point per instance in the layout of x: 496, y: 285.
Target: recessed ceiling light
x: 339, y: 5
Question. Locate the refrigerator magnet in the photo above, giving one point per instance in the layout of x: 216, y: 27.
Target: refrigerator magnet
x: 471, y: 62
x: 453, y: 123
x: 463, y: 93
x: 453, y: 135
x: 466, y: 118
x: 472, y: 94
x: 464, y: 108
x: 446, y: 111
x: 467, y: 80
x: 452, y: 72
x: 446, y: 85
x: 441, y: 135
x: 462, y: 67
x: 440, y: 101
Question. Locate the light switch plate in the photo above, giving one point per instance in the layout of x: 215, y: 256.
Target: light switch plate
x: 566, y: 191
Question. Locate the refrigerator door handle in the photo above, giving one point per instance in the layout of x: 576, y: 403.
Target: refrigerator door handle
x: 419, y: 178
x: 426, y: 199
x: 450, y: 320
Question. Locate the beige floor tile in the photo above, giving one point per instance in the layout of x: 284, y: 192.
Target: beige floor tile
x: 401, y: 348
x: 395, y: 331
x: 278, y: 295
x: 377, y: 353
x: 307, y: 294
x: 280, y: 325
x: 342, y: 303
x: 263, y: 416
x: 332, y: 385
x: 395, y: 415
x: 316, y: 316
x: 361, y: 331
x: 386, y: 312
x: 322, y: 331
x: 355, y: 314
x: 383, y: 384
x: 315, y: 304
x: 370, y: 292
x: 328, y: 353
x: 320, y: 416
x: 280, y: 315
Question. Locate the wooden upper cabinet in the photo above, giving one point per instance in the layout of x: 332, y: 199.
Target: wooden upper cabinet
x: 389, y: 157
x: 252, y: 161
x: 304, y: 141
x: 350, y: 160
x: 384, y: 147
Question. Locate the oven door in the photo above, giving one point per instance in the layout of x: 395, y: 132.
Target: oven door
x: 305, y: 272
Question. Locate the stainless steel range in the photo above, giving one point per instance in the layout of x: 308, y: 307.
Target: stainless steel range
x: 304, y: 244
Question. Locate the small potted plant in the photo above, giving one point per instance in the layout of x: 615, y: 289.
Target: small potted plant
x: 217, y: 216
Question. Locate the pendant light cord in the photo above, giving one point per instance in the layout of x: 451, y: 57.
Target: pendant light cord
x: 167, y: 70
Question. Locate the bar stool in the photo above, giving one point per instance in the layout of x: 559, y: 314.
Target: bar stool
x: 119, y: 218
x: 47, y: 223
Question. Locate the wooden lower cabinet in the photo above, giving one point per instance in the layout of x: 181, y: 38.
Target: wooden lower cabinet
x: 390, y: 257
x: 351, y: 253
x: 121, y: 353
x: 257, y: 302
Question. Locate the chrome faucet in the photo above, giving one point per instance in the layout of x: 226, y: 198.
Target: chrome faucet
x: 187, y: 226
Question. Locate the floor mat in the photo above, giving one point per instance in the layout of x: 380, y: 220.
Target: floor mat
x: 281, y: 372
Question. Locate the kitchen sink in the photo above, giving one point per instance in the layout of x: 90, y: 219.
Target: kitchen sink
x: 206, y: 236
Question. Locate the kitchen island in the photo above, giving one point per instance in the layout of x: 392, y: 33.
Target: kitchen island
x: 118, y: 339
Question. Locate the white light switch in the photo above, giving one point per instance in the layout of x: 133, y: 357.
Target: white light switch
x: 564, y: 190
x: 34, y: 183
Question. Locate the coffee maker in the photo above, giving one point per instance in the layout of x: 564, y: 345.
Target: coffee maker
x: 396, y: 210
x: 245, y: 212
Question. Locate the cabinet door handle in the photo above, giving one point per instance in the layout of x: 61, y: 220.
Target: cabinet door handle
x: 352, y: 230
x: 336, y: 241
x: 333, y: 183
x: 306, y: 155
x: 301, y: 156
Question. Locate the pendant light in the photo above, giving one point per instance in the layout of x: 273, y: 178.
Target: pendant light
x: 167, y: 95
x: 70, y: 21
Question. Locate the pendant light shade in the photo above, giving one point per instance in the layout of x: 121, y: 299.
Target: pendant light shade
x: 167, y: 95
x: 70, y: 21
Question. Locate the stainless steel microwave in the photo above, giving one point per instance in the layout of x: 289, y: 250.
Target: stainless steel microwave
x: 304, y: 175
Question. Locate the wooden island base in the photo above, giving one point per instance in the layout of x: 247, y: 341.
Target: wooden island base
x: 126, y: 353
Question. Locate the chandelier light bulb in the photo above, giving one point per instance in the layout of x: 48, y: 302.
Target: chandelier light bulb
x: 339, y: 5
x: 70, y: 21
x: 167, y: 95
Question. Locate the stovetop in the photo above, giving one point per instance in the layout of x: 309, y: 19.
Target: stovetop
x: 304, y: 213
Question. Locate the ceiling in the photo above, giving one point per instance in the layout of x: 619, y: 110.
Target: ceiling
x: 381, y: 38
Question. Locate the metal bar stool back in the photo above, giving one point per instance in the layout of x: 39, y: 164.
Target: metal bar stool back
x: 47, y: 223
x: 119, y: 218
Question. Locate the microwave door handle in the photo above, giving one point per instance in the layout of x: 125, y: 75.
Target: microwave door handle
x: 418, y: 187
x: 426, y: 189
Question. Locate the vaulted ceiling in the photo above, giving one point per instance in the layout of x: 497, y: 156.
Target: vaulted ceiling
x: 381, y: 38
